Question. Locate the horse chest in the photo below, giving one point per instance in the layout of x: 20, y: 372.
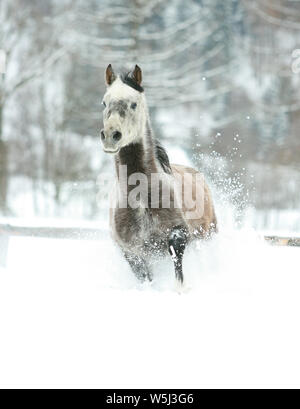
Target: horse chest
x: 138, y: 230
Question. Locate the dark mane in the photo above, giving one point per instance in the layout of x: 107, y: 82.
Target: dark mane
x: 128, y: 80
x: 162, y: 157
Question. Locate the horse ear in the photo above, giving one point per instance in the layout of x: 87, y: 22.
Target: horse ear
x: 137, y: 75
x: 109, y: 75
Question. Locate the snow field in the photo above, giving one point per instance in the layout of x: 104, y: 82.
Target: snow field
x: 72, y: 314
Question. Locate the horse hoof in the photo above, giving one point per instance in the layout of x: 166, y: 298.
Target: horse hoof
x: 181, y: 288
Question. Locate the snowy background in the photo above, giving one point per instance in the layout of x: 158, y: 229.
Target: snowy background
x: 222, y: 81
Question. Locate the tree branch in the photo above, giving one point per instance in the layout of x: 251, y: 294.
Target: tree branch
x: 36, y: 73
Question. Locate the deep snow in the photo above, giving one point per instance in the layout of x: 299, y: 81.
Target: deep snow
x: 72, y: 314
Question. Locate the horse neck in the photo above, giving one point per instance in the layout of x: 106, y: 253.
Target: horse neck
x: 139, y: 157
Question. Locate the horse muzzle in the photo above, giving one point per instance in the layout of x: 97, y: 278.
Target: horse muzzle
x: 111, y: 141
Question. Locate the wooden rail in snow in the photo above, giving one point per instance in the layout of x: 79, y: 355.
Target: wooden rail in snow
x: 84, y: 233
x: 283, y: 241
x: 75, y: 233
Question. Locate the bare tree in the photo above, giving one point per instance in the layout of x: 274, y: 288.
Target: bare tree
x: 15, y: 17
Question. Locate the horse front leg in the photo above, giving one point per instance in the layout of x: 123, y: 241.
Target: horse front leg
x: 139, y: 267
x: 176, y: 246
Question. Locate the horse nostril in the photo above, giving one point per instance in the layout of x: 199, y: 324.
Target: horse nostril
x: 102, y: 135
x: 116, y: 136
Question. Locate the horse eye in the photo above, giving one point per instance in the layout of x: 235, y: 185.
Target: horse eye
x: 133, y: 105
x: 104, y: 104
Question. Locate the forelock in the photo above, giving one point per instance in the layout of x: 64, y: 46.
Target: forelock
x: 120, y: 90
x: 127, y: 79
